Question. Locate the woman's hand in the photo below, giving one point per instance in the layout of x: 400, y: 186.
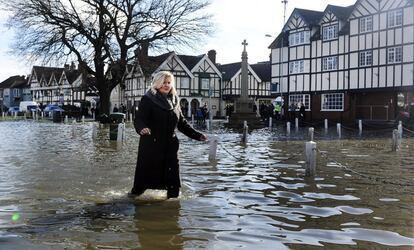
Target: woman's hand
x: 145, y: 131
x: 203, y: 138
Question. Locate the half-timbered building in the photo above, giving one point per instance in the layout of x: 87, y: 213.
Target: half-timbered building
x: 197, y: 80
x: 347, y: 63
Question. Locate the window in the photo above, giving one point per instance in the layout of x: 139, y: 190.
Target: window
x: 185, y: 83
x: 365, y: 58
x: 299, y: 38
x: 365, y: 24
x: 330, y: 63
x: 296, y: 67
x: 395, y: 55
x: 395, y: 18
x: 205, y: 83
x: 296, y: 99
x: 330, y: 32
x: 333, y: 102
x: 16, y: 92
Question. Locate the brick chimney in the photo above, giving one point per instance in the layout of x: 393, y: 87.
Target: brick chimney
x: 212, y: 55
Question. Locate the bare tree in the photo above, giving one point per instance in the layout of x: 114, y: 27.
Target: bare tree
x: 102, y: 35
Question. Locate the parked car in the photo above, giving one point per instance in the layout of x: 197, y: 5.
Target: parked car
x: 53, y: 108
x: 28, y: 106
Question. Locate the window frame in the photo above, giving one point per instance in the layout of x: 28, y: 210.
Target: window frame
x: 366, y: 24
x: 395, y: 18
x: 299, y: 38
x: 330, y: 32
x: 296, y: 67
x: 365, y: 58
x: 330, y: 63
x: 303, y: 98
x: 326, y: 98
x: 395, y: 52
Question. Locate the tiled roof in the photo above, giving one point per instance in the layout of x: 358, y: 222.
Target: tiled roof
x: 47, y: 72
x: 229, y: 70
x: 278, y: 41
x: 151, y: 63
x: 72, y: 75
x: 190, y: 61
x: 342, y: 13
x: 311, y: 17
x: 263, y: 70
x: 14, y: 82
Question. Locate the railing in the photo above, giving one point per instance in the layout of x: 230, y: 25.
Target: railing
x: 372, y: 112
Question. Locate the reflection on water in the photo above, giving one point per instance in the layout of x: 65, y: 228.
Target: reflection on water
x: 67, y: 186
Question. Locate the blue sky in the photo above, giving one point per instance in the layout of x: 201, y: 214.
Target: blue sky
x: 235, y: 20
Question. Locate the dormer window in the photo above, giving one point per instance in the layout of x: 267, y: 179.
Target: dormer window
x: 298, y: 38
x: 330, y: 32
x: 395, y: 18
x: 365, y: 24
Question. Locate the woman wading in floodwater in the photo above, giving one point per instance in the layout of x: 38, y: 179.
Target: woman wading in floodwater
x: 158, y: 115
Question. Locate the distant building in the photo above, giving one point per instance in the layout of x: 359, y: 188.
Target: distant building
x: 347, y: 63
x: 67, y: 85
x: 13, y: 90
x: 197, y: 80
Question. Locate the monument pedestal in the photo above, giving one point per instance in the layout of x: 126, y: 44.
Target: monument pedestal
x: 244, y: 112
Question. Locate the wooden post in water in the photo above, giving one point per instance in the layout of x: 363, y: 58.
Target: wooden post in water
x: 296, y: 123
x: 288, y: 128
x: 42, y: 114
x: 395, y: 144
x: 311, y: 133
x: 270, y: 122
x: 83, y: 119
x: 338, y: 129
x: 310, y: 158
x: 121, y: 132
x: 360, y: 126
x: 66, y: 119
x: 400, y: 128
x: 245, y: 131
x: 213, y: 148
x: 326, y: 124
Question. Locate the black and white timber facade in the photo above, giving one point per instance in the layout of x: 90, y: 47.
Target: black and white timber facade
x: 347, y: 63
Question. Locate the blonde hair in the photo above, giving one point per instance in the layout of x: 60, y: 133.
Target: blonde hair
x: 158, y: 81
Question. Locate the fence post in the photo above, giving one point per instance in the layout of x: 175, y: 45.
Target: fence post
x: 395, y: 144
x: 213, y: 148
x: 310, y: 158
x: 296, y: 123
x: 338, y: 129
x: 288, y: 128
x: 245, y: 131
x: 311, y: 133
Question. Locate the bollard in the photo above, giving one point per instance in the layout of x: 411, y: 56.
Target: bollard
x: 245, y: 131
x: 338, y: 129
x: 270, y: 122
x: 93, y: 116
x: 121, y: 132
x: 213, y: 148
x: 42, y: 114
x: 2, y: 114
x: 130, y: 118
x: 296, y: 123
x: 326, y: 124
x: 227, y: 119
x: 360, y: 126
x: 400, y: 129
x: 192, y: 119
x: 208, y: 124
x: 74, y: 121
x: 34, y: 115
x: 395, y: 141
x: 288, y: 128
x: 310, y: 153
x: 83, y: 119
x: 311, y: 133
x: 66, y: 119
x: 15, y: 115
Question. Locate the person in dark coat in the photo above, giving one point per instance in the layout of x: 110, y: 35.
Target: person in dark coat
x: 157, y: 118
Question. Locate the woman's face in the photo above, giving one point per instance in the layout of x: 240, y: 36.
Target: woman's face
x: 166, y: 86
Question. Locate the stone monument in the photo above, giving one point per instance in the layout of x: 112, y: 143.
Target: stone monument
x: 244, y: 106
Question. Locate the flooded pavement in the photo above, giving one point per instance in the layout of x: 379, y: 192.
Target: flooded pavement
x: 64, y: 186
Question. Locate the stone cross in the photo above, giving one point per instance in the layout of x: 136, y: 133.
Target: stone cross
x: 244, y: 43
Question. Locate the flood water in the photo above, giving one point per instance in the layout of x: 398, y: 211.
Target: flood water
x: 64, y: 186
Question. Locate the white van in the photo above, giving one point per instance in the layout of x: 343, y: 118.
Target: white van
x: 28, y: 106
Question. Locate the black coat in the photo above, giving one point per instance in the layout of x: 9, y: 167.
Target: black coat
x: 157, y: 164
